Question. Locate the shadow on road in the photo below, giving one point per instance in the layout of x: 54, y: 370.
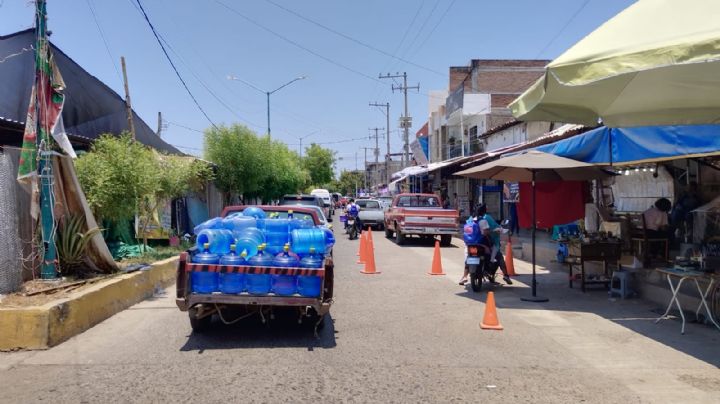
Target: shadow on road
x: 282, y: 332
x: 699, y: 341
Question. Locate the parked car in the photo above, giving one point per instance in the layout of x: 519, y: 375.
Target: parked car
x: 371, y: 213
x: 324, y: 194
x: 311, y: 200
x: 420, y: 215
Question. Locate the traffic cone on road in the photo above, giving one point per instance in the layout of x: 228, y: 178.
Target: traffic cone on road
x: 490, y: 319
x: 509, y: 264
x: 369, y: 234
x: 369, y: 259
x: 362, y: 250
x: 436, y: 268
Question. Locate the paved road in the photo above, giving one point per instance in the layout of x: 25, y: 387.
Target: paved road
x: 401, y: 336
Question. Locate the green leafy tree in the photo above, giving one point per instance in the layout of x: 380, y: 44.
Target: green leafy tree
x: 238, y: 154
x: 284, y: 173
x: 349, y: 180
x: 116, y: 175
x: 319, y: 163
x: 175, y: 176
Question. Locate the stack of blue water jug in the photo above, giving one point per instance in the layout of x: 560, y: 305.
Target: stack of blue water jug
x: 251, y: 238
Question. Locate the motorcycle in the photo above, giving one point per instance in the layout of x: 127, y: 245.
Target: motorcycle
x: 479, y: 267
x: 352, y: 228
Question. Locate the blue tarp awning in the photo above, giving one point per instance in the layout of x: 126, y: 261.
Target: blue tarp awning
x: 645, y: 144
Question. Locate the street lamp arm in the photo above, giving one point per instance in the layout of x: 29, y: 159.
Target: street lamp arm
x: 235, y: 78
x: 286, y: 84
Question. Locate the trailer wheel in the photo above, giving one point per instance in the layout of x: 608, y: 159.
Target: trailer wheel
x: 199, y: 325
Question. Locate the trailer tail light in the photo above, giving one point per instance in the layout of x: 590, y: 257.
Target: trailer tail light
x: 472, y: 250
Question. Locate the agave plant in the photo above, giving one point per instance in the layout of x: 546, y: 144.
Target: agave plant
x: 72, y: 245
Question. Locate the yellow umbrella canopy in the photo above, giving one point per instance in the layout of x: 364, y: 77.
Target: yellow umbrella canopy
x: 655, y: 63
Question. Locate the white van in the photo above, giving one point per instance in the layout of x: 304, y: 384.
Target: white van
x: 324, y: 194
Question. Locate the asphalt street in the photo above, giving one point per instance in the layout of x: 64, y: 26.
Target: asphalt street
x: 399, y: 336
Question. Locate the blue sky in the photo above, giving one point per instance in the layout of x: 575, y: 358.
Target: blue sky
x: 210, y: 41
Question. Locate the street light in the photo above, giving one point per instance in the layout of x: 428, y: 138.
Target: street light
x: 267, y: 93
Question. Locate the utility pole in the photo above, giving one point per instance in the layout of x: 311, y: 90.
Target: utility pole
x: 387, y: 138
x: 405, y: 120
x: 365, y: 172
x: 160, y: 124
x: 376, y: 151
x: 128, y: 105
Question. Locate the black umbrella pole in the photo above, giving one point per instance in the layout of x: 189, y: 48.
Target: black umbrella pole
x: 534, y: 297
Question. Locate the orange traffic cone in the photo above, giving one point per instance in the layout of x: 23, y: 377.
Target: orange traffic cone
x: 369, y: 259
x: 509, y: 264
x: 436, y: 268
x: 362, y: 250
x: 369, y: 234
x: 490, y: 319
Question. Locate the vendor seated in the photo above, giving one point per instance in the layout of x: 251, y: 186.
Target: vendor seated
x: 656, y: 218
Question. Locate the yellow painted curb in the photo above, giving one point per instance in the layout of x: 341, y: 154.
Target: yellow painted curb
x: 41, y: 327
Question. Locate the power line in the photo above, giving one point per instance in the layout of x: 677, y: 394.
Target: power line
x: 437, y: 24
x: 585, y: 3
x: 296, y: 44
x: 183, y: 126
x: 102, y: 35
x: 420, y: 30
x: 173, y: 65
x: 349, y: 38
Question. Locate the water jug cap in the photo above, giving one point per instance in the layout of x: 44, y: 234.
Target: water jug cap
x: 206, y: 246
x: 290, y: 212
x: 286, y: 248
x: 261, y: 247
x: 232, y: 247
x: 312, y: 250
x: 244, y: 254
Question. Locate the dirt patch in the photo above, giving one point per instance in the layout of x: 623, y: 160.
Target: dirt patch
x: 39, y: 292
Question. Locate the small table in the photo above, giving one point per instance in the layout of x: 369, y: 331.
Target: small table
x: 601, y: 251
x: 694, y: 276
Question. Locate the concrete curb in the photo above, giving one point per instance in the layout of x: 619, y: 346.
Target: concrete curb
x: 41, y: 327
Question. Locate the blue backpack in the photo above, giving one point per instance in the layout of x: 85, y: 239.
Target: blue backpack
x: 353, y: 211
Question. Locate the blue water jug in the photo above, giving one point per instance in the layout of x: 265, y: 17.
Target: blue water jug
x: 204, y: 282
x: 233, y: 258
x: 255, y: 212
x: 329, y: 240
x: 238, y: 222
x: 248, y: 240
x: 309, y: 286
x: 214, y: 223
x: 230, y: 282
x: 304, y: 239
x: 276, y: 225
x: 276, y: 241
x: 259, y: 284
x: 218, y: 239
x: 285, y: 285
x: 296, y: 223
x: 312, y: 260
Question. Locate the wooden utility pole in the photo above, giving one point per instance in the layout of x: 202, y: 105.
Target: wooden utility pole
x: 128, y: 105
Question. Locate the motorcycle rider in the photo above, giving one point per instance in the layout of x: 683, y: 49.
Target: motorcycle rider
x: 495, y: 230
x: 484, y: 242
x: 353, y: 210
x: 491, y: 232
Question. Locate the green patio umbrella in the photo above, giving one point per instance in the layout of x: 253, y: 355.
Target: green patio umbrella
x: 655, y: 63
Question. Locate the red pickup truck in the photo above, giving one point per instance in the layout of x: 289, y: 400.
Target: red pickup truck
x: 421, y: 215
